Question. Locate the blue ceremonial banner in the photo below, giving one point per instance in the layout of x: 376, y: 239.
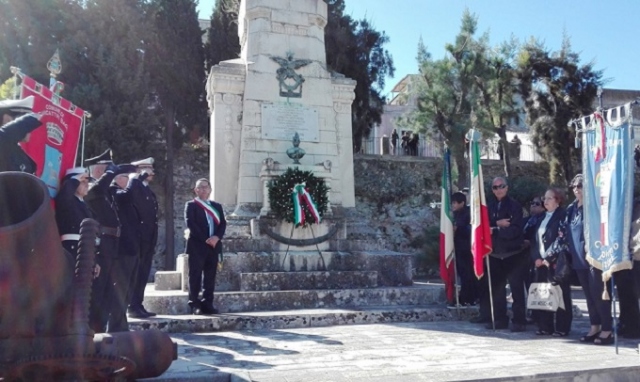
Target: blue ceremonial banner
x: 607, y: 163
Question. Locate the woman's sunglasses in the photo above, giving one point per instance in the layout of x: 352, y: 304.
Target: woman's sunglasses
x: 578, y: 186
x: 536, y: 204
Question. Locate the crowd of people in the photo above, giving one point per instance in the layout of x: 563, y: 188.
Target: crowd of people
x: 119, y: 198
x: 537, y: 249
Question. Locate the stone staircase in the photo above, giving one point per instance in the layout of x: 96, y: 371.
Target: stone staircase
x: 270, y: 291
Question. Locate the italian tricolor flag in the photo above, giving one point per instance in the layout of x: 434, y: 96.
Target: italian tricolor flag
x: 446, y: 230
x: 480, y: 229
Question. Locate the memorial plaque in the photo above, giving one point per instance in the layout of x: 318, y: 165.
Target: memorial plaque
x: 283, y: 120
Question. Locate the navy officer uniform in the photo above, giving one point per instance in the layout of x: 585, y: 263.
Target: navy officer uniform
x: 71, y: 210
x: 126, y: 267
x: 101, y: 202
x: 16, y: 128
x: 146, y: 207
x: 203, y: 258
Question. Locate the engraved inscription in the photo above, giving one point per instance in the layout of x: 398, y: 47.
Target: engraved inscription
x: 282, y: 121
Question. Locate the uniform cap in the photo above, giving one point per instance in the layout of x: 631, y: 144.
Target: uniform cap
x: 148, y: 162
x: 104, y: 158
x: 75, y: 171
x: 24, y: 105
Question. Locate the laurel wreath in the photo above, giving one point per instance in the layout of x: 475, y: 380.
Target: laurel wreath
x: 281, y: 200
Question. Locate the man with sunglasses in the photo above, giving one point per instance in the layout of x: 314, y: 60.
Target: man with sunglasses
x: 508, y: 262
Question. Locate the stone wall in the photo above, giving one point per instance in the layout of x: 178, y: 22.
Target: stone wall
x: 393, y: 196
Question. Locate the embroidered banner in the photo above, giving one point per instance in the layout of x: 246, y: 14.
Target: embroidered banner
x: 607, y: 163
x: 54, y: 145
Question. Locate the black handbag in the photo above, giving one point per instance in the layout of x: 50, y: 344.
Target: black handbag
x: 562, y: 268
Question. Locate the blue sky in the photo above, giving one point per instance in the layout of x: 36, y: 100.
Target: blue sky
x: 602, y: 31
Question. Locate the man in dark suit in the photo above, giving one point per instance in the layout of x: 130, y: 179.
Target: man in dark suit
x: 16, y: 126
x: 146, y: 207
x: 206, y: 223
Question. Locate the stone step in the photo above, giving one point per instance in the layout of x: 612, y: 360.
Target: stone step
x: 175, y: 302
x: 271, y: 281
x: 302, y: 318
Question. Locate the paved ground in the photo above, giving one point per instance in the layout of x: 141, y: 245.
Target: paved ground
x: 438, y: 351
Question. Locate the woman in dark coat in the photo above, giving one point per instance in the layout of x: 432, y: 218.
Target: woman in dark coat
x: 571, y: 239
x: 546, y: 235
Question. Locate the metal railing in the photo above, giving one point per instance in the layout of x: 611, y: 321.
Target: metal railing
x: 434, y: 149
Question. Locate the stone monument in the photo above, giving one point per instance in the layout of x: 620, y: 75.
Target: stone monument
x: 280, y: 86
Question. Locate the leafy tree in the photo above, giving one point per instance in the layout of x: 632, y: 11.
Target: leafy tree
x: 222, y: 37
x: 556, y: 88
x: 175, y: 58
x: 472, y: 86
x: 356, y: 50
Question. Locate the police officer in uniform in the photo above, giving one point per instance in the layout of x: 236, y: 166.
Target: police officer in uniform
x: 146, y: 206
x: 101, y: 202
x: 16, y: 128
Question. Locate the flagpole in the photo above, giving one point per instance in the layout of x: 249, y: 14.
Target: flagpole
x: 455, y: 261
x: 493, y: 320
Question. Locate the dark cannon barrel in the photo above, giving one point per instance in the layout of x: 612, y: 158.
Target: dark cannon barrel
x: 35, y: 272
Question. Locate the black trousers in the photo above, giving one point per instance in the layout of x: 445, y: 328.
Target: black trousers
x: 147, y: 250
x: 561, y: 319
x: 123, y: 274
x: 629, y: 309
x: 467, y: 278
x: 102, y: 289
x: 513, y: 270
x: 599, y: 309
x: 202, y: 272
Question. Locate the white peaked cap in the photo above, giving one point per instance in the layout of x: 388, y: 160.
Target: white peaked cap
x: 24, y: 105
x: 75, y: 171
x: 143, y: 162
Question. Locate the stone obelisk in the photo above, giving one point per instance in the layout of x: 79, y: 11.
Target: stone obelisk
x: 279, y: 86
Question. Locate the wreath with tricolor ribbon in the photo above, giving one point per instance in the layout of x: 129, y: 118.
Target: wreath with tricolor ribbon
x: 298, y: 197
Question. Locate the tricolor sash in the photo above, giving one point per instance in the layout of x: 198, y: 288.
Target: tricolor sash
x: 209, y: 210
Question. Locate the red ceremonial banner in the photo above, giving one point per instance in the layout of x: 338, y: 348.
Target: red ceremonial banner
x: 54, y: 145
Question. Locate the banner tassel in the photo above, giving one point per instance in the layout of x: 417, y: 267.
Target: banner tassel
x: 605, y: 294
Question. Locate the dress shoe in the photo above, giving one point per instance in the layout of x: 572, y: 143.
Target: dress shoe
x: 149, y: 314
x: 517, y: 328
x: 194, y: 307
x: 136, y: 313
x: 499, y: 325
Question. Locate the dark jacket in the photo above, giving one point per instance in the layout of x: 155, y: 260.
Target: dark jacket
x: 529, y: 230
x: 70, y: 212
x: 146, y: 205
x: 462, y: 233
x: 550, y: 235
x: 101, y: 201
x: 129, y: 244
x: 12, y: 157
x: 196, y: 220
x: 506, y: 241
x: 573, y: 221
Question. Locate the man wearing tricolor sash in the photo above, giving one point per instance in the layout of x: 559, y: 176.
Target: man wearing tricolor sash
x: 206, y: 223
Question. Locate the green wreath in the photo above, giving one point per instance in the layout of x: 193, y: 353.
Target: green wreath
x: 281, y: 200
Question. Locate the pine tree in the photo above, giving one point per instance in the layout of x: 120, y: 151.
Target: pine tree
x: 222, y: 37
x: 356, y: 50
x: 175, y: 58
x: 556, y: 88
